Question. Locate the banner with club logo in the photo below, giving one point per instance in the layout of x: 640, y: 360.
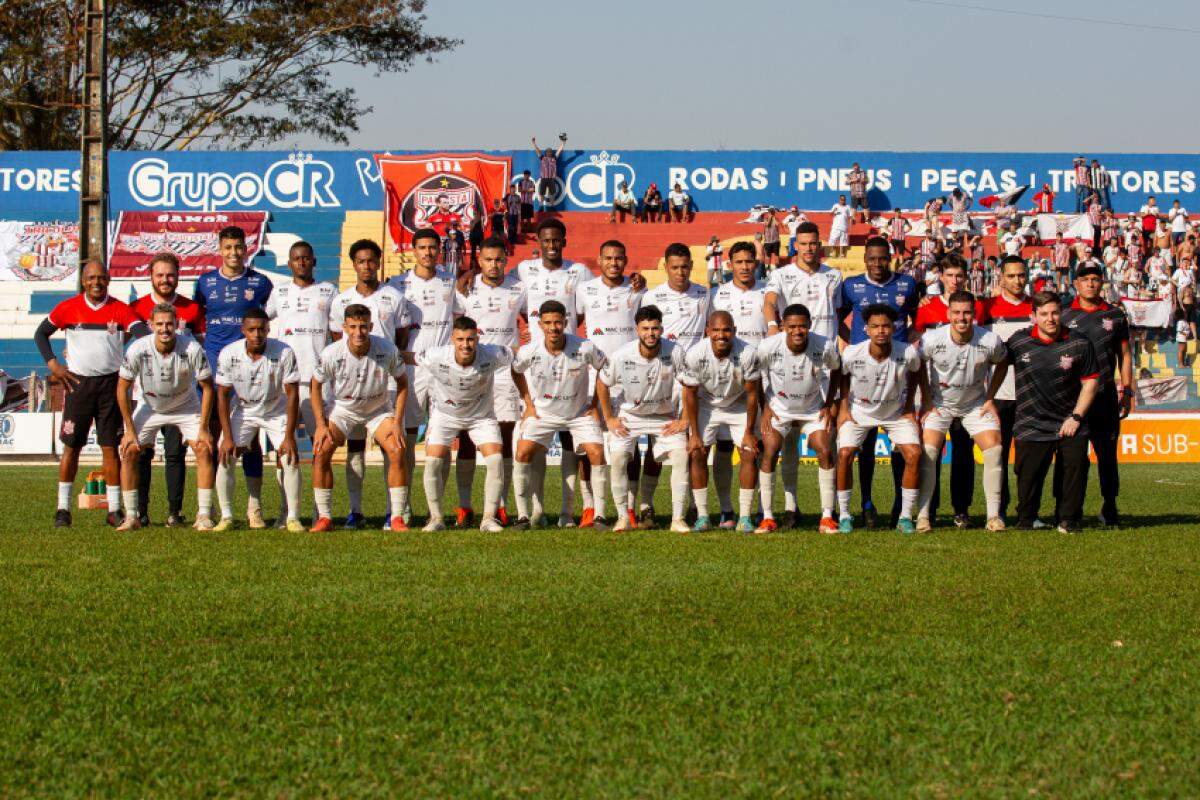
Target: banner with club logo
x: 440, y: 191
x: 192, y: 237
x: 38, y: 251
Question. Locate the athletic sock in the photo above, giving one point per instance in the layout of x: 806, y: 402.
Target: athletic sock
x: 464, y: 479
x: 766, y: 491
x: 64, y: 495
x: 131, y: 502
x: 723, y: 479
x: 679, y: 483
x: 356, y: 468
x: 929, y: 460
x: 537, y: 484
x: 908, y: 498
x: 433, y: 486
x: 285, y: 509
x: 492, y: 483
x: 701, y: 498
x: 827, y: 483
x: 324, y: 500
x: 746, y: 502
x: 993, y: 480
x: 204, y: 502
x: 599, y: 487
x: 587, y: 497
x: 254, y: 490
x: 843, y: 501
x: 521, y: 470
x: 568, y: 472
x: 620, y: 483
x: 291, y: 488
x: 113, y: 495
x: 398, y: 495
x: 506, y: 479
x: 410, y: 462
x: 226, y: 481
x: 789, y: 468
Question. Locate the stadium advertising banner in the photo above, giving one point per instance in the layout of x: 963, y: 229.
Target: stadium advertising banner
x: 191, y: 237
x: 38, y: 251
x: 48, y: 182
x: 27, y: 434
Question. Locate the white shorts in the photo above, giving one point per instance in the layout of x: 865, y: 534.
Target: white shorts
x: 444, y: 429
x: 416, y: 409
x: 584, y: 430
x: 506, y: 401
x: 716, y: 421
x: 148, y: 422
x: 245, y: 429
x: 900, y: 431
x: 358, y: 425
x: 646, y: 426
x: 808, y: 423
x: 839, y: 237
x: 975, y: 421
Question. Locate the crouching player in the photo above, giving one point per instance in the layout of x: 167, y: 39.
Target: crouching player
x: 645, y: 374
x: 168, y: 368
x: 461, y: 379
x: 721, y: 391
x: 879, y: 381
x: 358, y: 366
x: 957, y: 359
x: 258, y: 384
x: 802, y: 373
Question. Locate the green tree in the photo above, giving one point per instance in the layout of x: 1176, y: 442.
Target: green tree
x: 202, y: 73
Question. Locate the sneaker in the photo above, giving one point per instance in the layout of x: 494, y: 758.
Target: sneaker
x: 490, y: 525
x: 1064, y: 527
x: 114, y: 520
x: 996, y: 524
x: 203, y: 523
x: 1037, y: 525
x: 62, y: 518
x: 623, y: 523
x: 387, y: 522
x: 502, y: 515
x: 727, y: 521
x: 1109, y: 518
x: 354, y: 521
x: 846, y: 525
x: 827, y: 525
x: 398, y: 524
x: 322, y: 525
x: 588, y: 519
x: 633, y: 520
x: 175, y: 521
x: 130, y: 524
x: 701, y: 523
x: 254, y: 518
x: 522, y: 524
x: 924, y: 526
x: 537, y: 522
x: 768, y: 525
x: 434, y: 525
x: 645, y: 518
x: 870, y: 517
x: 962, y: 521
x: 788, y: 519
x: 226, y: 524
x: 680, y: 526
x: 294, y: 526
x: 566, y: 521
x: 905, y: 525
x: 464, y: 517
x: 745, y: 525
x: 144, y: 520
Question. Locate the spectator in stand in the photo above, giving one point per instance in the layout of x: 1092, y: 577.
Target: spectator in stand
x: 1006, y: 218
x: 476, y: 237
x: 1062, y: 262
x: 497, y: 218
x: 1134, y: 251
x: 652, y: 204
x: 933, y: 210
x: 1083, y: 183
x: 1148, y: 214
x: 1186, y: 248
x: 792, y: 221
x: 716, y: 264
x: 929, y: 252
x: 898, y: 228
x: 973, y: 251
x: 512, y: 217
x: 547, y: 186
x: 1133, y: 280
x: 839, y: 229
x: 1178, y: 217
x: 1162, y: 243
x: 1013, y: 243
x: 960, y: 220
x: 1110, y: 226
x: 1095, y: 215
x: 770, y: 235
x: 681, y: 204
x: 1043, y: 201
x: 526, y: 189
x: 1185, y: 325
x: 453, y: 244
x: 1100, y: 181
x: 1183, y: 278
x: 857, y: 179
x: 624, y: 203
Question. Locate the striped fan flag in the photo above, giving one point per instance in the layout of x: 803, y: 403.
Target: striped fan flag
x: 1008, y: 198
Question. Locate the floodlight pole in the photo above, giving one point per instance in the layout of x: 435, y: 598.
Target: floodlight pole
x: 93, y: 177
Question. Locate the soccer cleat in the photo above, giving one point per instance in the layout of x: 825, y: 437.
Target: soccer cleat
x: 434, y: 525
x: 538, y: 522
x: 996, y: 524
x: 789, y: 519
x: 522, y: 524
x: 502, y: 515
x: 464, y: 517
x: 254, y: 519
x: 905, y: 525
x: 281, y: 524
x: 1064, y: 527
x: 827, y: 525
x: 768, y: 525
x: 203, y: 523
x: 870, y: 517
x: 398, y: 524
x: 226, y: 524
x: 294, y: 526
x: 566, y: 521
x: 114, y: 520
x: 176, y: 521
x: 588, y: 519
x: 645, y: 518
x: 62, y: 518
x: 144, y: 519
x: 387, y: 523
x: 680, y: 526
x: 354, y: 521
x: 745, y: 525
x: 633, y: 520
x: 1108, y: 517
x: 727, y: 521
x: 490, y: 525
x: 130, y: 524
x: 846, y: 525
x: 322, y: 525
x: 701, y: 523
x: 623, y: 522
x: 923, y: 525
x: 1037, y: 525
x: 406, y: 515
x: 962, y: 521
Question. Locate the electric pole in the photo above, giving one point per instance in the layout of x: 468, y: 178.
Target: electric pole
x: 93, y: 177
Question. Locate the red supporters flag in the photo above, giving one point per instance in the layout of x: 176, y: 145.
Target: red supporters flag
x: 1008, y: 198
x: 191, y: 236
x: 433, y: 190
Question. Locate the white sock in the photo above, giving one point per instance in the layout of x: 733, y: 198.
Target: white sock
x: 537, y: 485
x: 789, y: 472
x: 291, y: 488
x: 356, y: 468
x: 204, y: 502
x: 600, y: 487
x: 464, y: 479
x: 701, y: 498
x: 587, y: 497
x: 843, y: 501
x: 723, y: 479
x: 131, y: 502
x: 113, y: 495
x: 284, y: 507
x: 324, y: 500
x: 680, y: 481
x: 647, y: 486
x: 254, y: 489
x: 766, y: 491
x: 745, y: 501
x: 929, y: 460
x: 521, y: 470
x: 64, y: 495
x: 433, y: 486
x: 827, y: 482
x: 568, y: 472
x: 993, y: 480
x: 493, y: 482
x: 908, y: 498
x: 226, y: 481
x: 398, y: 495
x: 620, y: 482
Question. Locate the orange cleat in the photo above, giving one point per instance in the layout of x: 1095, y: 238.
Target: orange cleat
x: 398, y: 523
x: 322, y: 525
x: 588, y: 520
x: 633, y: 519
x: 463, y: 517
x: 502, y: 515
x: 828, y: 525
x: 768, y: 525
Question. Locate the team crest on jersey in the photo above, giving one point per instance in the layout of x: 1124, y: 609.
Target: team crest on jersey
x: 68, y: 427
x: 1107, y: 324
x: 1066, y: 361
x: 248, y: 294
x: 112, y: 327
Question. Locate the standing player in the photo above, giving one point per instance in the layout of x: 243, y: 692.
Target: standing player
x: 225, y: 295
x: 958, y: 358
x: 460, y: 392
x: 721, y: 393
x: 169, y: 369
x: 389, y: 320
x: 818, y: 288
x: 643, y: 375
x: 556, y: 368
x: 361, y: 368
x: 97, y: 327
x: 264, y: 374
x: 301, y: 307
x: 1107, y: 328
x: 879, y: 382
x: 802, y: 372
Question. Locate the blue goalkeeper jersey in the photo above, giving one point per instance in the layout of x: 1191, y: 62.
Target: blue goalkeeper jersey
x: 858, y: 292
x: 225, y: 302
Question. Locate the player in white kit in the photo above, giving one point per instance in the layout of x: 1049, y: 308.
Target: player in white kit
x: 258, y: 381
x: 879, y: 381
x: 461, y: 376
x: 958, y: 358
x: 556, y: 371
x: 168, y: 368
x: 802, y: 374
x: 818, y: 288
x: 721, y: 394
x: 388, y: 321
x: 644, y: 375
x: 360, y: 367
x: 300, y: 308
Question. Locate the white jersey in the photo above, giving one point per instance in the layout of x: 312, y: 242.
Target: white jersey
x: 841, y: 216
x: 542, y: 284
x: 745, y: 306
x: 878, y: 389
x: 648, y: 387
x: 302, y: 314
x: 495, y: 309
x: 797, y: 384
x: 608, y: 313
x: 387, y: 310
x: 817, y: 291
x: 464, y: 393
x: 360, y: 384
x: 258, y: 382
x: 722, y: 381
x: 959, y: 373
x: 559, y: 383
x: 684, y: 313
x: 168, y: 381
x: 431, y: 305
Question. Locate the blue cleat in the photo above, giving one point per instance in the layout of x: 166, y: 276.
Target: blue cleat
x: 745, y: 525
x: 846, y: 525
x: 905, y: 525
x: 354, y: 521
x: 701, y: 524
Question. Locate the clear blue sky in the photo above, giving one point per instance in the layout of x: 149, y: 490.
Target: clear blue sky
x: 867, y: 74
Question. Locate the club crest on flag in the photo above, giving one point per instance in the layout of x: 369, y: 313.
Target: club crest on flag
x: 431, y: 191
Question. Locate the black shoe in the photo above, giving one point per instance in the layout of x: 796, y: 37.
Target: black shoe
x: 114, y: 519
x: 645, y: 519
x: 962, y: 521
x: 62, y: 518
x: 787, y: 519
x: 1025, y: 524
x: 1067, y: 527
x: 870, y: 517
x: 522, y: 524
x: 144, y: 520
x: 1109, y: 517
x: 176, y: 521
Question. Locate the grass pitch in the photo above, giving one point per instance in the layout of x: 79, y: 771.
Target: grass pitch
x: 588, y: 664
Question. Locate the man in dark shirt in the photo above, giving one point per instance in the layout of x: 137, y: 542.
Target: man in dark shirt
x: 1056, y: 381
x: 1107, y: 328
